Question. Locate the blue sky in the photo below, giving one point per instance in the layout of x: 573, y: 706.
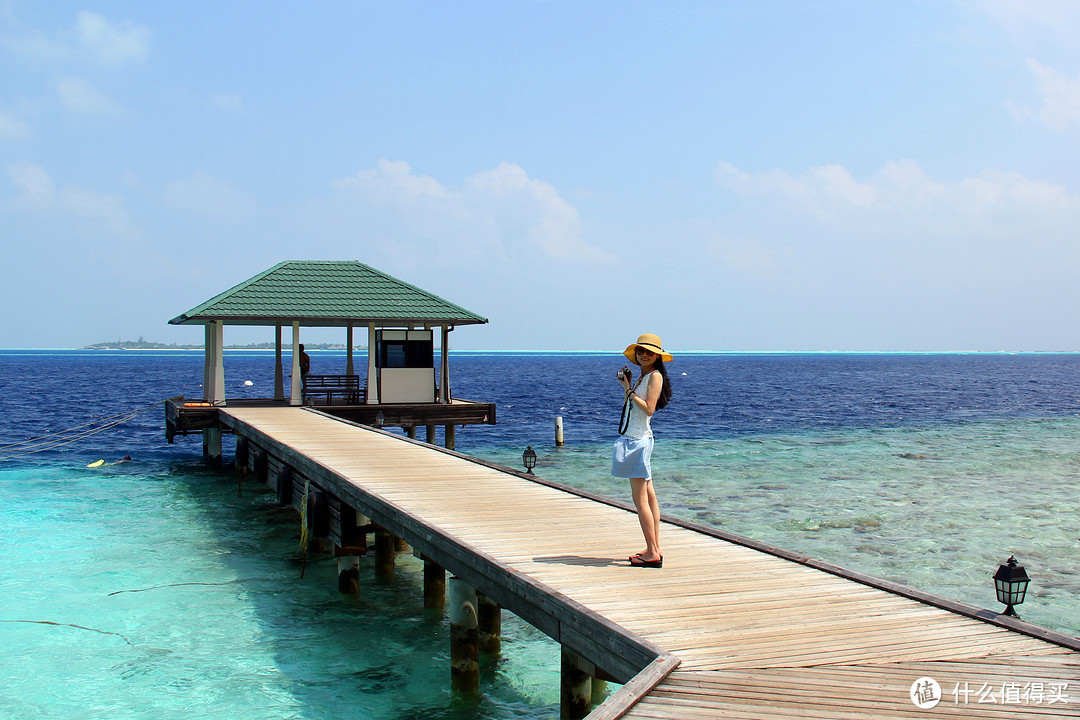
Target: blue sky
x: 730, y: 175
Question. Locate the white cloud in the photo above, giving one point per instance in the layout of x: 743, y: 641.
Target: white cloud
x: 1060, y: 96
x: 112, y: 42
x: 210, y: 197
x: 897, y: 190
x: 900, y: 258
x: 508, y: 197
x: 393, y: 183
x: 229, y: 102
x: 33, y: 182
x: 499, y: 214
x: 38, y: 194
x: 900, y: 223
x: 822, y: 189
x: 12, y: 127
x: 79, y: 96
x: 92, y: 38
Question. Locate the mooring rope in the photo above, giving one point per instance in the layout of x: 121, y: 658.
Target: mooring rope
x: 60, y: 438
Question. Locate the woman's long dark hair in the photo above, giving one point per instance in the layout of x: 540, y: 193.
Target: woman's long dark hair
x: 665, y: 389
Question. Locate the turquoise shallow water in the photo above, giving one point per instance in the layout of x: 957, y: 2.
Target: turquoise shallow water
x: 164, y: 595
x: 935, y: 507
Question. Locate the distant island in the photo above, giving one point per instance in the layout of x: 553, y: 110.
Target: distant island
x: 144, y: 344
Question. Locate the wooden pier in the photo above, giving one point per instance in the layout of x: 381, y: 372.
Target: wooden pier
x: 729, y: 628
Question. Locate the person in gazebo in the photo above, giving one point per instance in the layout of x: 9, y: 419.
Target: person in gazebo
x: 305, y: 362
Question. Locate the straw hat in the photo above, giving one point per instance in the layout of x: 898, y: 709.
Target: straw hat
x: 649, y: 342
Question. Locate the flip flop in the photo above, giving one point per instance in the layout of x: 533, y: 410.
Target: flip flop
x: 636, y: 561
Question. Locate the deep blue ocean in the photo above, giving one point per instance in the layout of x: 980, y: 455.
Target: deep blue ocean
x: 160, y: 588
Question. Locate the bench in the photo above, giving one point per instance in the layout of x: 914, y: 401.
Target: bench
x: 344, y: 386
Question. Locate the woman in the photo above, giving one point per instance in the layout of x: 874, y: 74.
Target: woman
x: 633, y: 450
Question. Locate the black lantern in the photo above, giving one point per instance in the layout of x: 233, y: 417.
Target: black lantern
x: 529, y: 458
x: 1010, y: 582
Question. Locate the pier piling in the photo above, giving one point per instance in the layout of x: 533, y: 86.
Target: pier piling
x: 434, y: 585
x: 464, y: 637
x: 212, y: 445
x: 384, y: 555
x: 241, y: 456
x: 575, y: 697
x: 489, y: 625
x: 348, y: 572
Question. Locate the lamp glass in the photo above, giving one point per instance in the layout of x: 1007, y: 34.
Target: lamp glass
x: 1011, y: 583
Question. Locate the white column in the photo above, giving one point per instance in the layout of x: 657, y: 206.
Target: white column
x: 208, y: 361
x: 372, y: 380
x: 279, y: 381
x: 348, y: 355
x: 214, y: 388
x: 297, y: 390
x: 444, y: 371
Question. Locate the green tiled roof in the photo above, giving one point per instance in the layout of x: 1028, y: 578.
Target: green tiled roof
x: 326, y: 293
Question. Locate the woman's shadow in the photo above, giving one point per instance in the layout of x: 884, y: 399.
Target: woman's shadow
x: 576, y: 560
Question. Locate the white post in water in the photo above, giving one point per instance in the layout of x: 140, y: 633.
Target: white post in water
x: 297, y: 390
x: 279, y: 382
x: 558, y: 431
x: 464, y: 637
x: 213, y: 387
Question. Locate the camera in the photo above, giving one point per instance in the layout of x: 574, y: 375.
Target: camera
x: 624, y: 373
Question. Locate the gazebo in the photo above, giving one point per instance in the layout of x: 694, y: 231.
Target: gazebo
x: 400, y: 320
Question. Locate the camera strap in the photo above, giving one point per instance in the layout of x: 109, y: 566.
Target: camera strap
x: 624, y: 420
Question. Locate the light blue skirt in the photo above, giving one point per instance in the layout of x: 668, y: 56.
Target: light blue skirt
x: 632, y: 457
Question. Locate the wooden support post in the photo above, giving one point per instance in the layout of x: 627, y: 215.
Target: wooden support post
x: 411, y: 432
x: 348, y: 572
x: 434, y: 585
x: 384, y: 555
x: 361, y: 535
x: 212, y: 445
x: 430, y: 434
x: 464, y: 646
x: 241, y: 456
x: 400, y: 545
x: 576, y: 686
x: 449, y: 437
x: 489, y: 625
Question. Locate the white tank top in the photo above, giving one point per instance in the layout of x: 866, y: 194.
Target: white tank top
x: 639, y: 425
